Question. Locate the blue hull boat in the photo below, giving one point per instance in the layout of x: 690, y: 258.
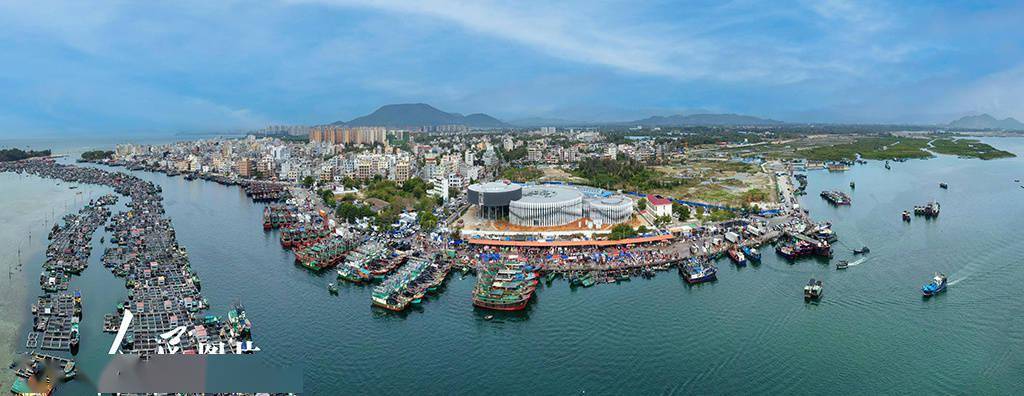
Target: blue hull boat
x: 752, y: 254
x: 936, y: 286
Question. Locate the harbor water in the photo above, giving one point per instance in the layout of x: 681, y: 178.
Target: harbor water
x: 749, y: 332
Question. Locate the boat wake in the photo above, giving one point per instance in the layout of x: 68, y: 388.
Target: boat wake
x: 955, y: 281
x: 857, y: 262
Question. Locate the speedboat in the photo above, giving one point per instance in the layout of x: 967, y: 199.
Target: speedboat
x: 842, y: 264
x: 936, y: 286
x: 863, y: 250
x: 943, y: 185
x: 813, y: 290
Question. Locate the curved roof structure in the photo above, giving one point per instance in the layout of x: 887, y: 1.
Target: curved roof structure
x: 614, y: 201
x: 547, y: 194
x: 494, y: 187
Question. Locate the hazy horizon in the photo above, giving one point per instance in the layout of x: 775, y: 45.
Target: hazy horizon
x: 115, y: 68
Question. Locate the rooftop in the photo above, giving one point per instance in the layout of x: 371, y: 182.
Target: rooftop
x: 494, y: 187
x: 658, y: 200
x: 549, y: 194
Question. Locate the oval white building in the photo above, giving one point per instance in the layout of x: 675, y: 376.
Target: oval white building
x: 546, y: 206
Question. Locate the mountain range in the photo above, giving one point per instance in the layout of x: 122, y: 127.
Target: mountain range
x: 705, y: 119
x: 985, y: 121
x: 421, y: 114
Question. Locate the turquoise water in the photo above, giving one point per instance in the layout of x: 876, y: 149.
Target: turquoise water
x: 749, y: 332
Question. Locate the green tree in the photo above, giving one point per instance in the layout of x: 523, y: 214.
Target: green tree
x: 622, y: 231
x: 427, y: 220
x: 387, y: 217
x: 349, y: 211
x: 308, y: 181
x: 681, y: 211
x: 642, y: 204
x: 328, y: 197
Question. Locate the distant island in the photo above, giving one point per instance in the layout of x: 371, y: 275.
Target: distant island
x: 14, y: 154
x: 97, y: 155
x: 985, y: 121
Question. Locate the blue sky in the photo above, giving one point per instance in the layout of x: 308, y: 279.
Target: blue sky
x: 156, y: 67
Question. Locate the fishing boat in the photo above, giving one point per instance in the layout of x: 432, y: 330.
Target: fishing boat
x: 550, y: 277
x: 936, y: 286
x: 698, y: 272
x: 74, y: 337
x: 863, y: 250
x: 943, y: 186
x: 836, y: 198
x: 752, y: 254
x: 407, y: 286
x: 813, y: 290
x: 587, y: 280
x: 931, y: 209
x: 737, y: 257
x: 824, y: 232
x: 325, y: 253
x: 505, y: 286
x: 838, y: 167
x: 842, y: 264
x: 354, y: 274
x: 364, y: 263
x: 906, y: 216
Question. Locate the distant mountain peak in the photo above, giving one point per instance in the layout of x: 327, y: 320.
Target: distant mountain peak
x: 986, y: 121
x: 421, y: 114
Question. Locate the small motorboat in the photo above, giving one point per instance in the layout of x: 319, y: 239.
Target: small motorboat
x: 887, y: 165
x: 842, y: 264
x: 906, y: 216
x: 332, y: 287
x: 853, y: 185
x: 863, y: 250
x: 488, y: 317
x: 752, y: 254
x: 936, y: 286
x: 943, y: 185
x: 813, y: 290
x: 737, y: 257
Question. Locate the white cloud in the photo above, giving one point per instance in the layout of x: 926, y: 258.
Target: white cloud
x: 586, y: 33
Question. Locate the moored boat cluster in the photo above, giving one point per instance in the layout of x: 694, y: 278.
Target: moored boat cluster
x: 504, y: 285
x: 261, y: 191
x: 163, y: 290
